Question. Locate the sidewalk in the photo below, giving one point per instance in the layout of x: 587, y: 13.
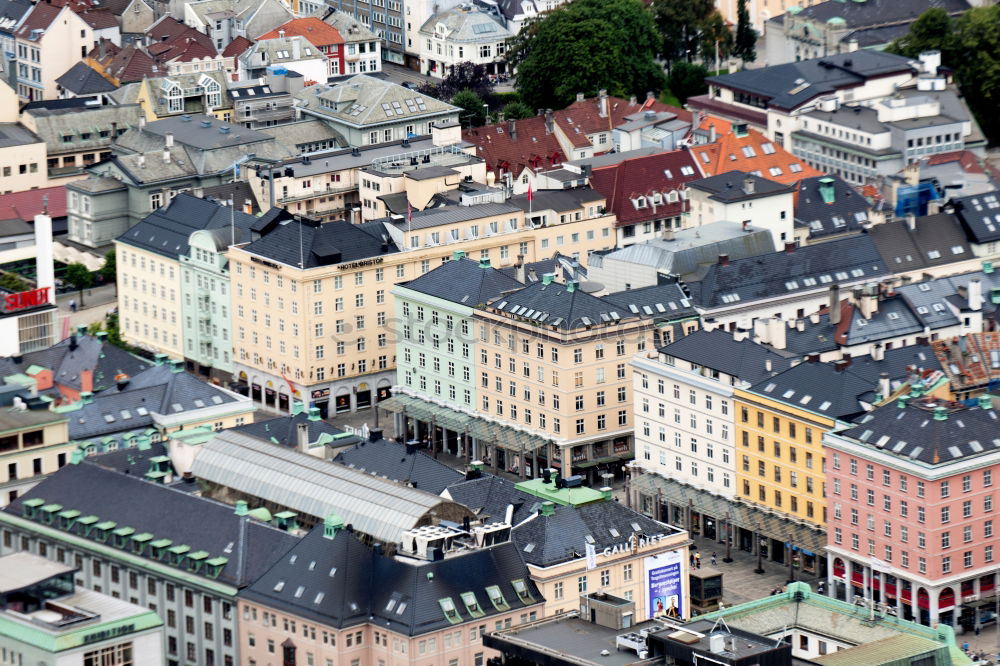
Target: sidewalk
x: 98, y: 302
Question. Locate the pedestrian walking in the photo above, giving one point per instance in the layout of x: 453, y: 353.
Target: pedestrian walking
x: 697, y: 560
x: 691, y: 558
x: 713, y: 558
x: 72, y: 305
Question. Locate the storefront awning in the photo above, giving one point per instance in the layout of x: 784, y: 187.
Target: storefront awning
x: 505, y: 437
x: 747, y: 516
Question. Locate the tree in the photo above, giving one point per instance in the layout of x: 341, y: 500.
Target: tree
x: 933, y: 30
x: 517, y: 111
x: 687, y: 80
x: 12, y: 282
x: 109, y: 271
x: 681, y: 24
x: 472, y: 113
x: 585, y: 46
x: 745, y: 45
x: 80, y: 277
x: 716, y: 39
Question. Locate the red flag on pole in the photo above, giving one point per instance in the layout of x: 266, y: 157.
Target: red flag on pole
x: 531, y: 197
x: 409, y: 215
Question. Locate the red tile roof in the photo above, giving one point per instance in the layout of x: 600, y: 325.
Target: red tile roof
x: 761, y: 155
x: 237, y: 47
x: 25, y: 205
x: 585, y: 115
x: 165, y: 29
x: 98, y: 19
x: 183, y: 49
x: 529, y: 146
x: 966, y: 158
x: 312, y: 28
x: 131, y: 64
x: 646, y: 176
x: 40, y: 17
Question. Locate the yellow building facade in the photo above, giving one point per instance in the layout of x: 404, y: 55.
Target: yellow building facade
x: 149, y: 291
x: 779, y: 449
x: 326, y: 334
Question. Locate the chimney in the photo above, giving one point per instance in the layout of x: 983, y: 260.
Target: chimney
x: 852, y: 45
x: 602, y: 103
x: 650, y: 97
x: 374, y: 434
x: 44, y: 266
x: 834, y: 304
x: 296, y: 46
x: 884, y: 385
x: 975, y: 292
x: 580, y: 97
x: 723, y: 259
x: 800, y: 325
x: 166, y: 156
x: 868, y: 302
x: 812, y: 358
x: 713, y: 135
x: 512, y: 130
x: 302, y: 437
x: 281, y: 34
x: 549, y: 121
x: 768, y: 365
x: 169, y: 139
x: 72, y: 342
x: 248, y: 207
x: 911, y: 221
x: 519, y: 270
x: 790, y: 247
x: 142, y: 161
x: 778, y: 333
x: 841, y: 365
x: 878, y: 352
x: 748, y: 185
x: 142, y: 123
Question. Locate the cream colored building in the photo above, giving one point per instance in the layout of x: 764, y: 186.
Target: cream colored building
x: 324, y: 331
x: 149, y: 286
x: 22, y: 159
x: 33, y: 444
x: 50, y: 40
x: 554, y: 361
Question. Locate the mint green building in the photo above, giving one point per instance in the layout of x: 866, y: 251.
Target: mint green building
x: 436, y: 349
x: 205, y: 308
x: 46, y: 619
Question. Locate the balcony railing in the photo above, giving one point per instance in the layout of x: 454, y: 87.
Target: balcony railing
x: 339, y: 189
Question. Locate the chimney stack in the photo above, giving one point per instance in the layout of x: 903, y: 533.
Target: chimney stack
x: 166, y: 156
x: 834, y: 304
x: 748, y: 184
x: 169, y: 139
x: 975, y: 294
x: 884, y: 385
x: 911, y: 221
x: 302, y: 437
x: 549, y: 121
x: 723, y: 259
x: 878, y: 352
x: 789, y: 247
x: 602, y: 103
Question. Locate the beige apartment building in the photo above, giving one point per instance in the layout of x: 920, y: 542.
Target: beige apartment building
x: 312, y: 303
x: 33, y: 444
x: 554, y: 361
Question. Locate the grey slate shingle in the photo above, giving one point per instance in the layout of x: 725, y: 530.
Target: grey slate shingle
x: 463, y: 281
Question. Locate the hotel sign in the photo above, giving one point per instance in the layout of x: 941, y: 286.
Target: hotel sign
x: 26, y: 299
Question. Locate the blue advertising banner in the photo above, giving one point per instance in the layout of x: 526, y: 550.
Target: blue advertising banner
x: 665, y: 585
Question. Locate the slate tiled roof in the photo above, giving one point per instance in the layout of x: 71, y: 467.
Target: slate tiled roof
x: 660, y: 301
x: 156, y: 391
x: 751, y: 152
x: 330, y: 243
x: 184, y: 519
x: 662, y: 176
x: 463, y: 281
x: 341, y: 582
x: 936, y: 240
x: 166, y: 231
x: 565, y: 307
x: 467, y: 24
x: 829, y: 205
x: 11, y: 12
x: 283, y: 429
x: 914, y: 433
x: 488, y: 496
x: 516, y: 145
x: 872, y: 14
x: 719, y: 350
x: 359, y: 101
x: 98, y: 19
x: 729, y: 187
x: 980, y: 215
x: 562, y: 537
x: 81, y: 79
x: 393, y: 461
x: 807, y: 268
x: 780, y: 84
x: 104, y: 359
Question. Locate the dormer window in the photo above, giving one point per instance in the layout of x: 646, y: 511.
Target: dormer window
x: 472, y: 604
x: 450, y: 612
x: 639, y: 202
x: 496, y: 596
x: 521, y: 587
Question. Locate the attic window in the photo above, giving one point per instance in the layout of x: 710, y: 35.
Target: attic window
x: 957, y: 249
x: 450, y: 612
x: 496, y: 596
x: 748, y: 151
x: 472, y: 604
x: 934, y: 254
x: 775, y: 171
x: 767, y: 148
x: 668, y: 173
x: 795, y: 167
x: 689, y: 171
x: 639, y: 202
x: 522, y: 591
x: 704, y: 158
x: 319, y: 597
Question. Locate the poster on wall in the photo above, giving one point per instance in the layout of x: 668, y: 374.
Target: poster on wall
x: 665, y: 584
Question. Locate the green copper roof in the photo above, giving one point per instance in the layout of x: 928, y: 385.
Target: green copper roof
x: 106, y: 525
x: 142, y: 538
x: 33, y: 369
x: 199, y: 555
x: 34, y: 502
x: 89, y: 520
x: 260, y: 513
x: 563, y: 496
x: 217, y: 561
x: 52, y: 508
x: 179, y: 549
x: 124, y: 531
x: 161, y: 543
x: 69, y: 514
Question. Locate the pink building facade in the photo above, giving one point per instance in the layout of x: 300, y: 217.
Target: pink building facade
x: 912, y: 490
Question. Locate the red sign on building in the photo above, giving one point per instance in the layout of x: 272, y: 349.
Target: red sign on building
x: 26, y: 299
